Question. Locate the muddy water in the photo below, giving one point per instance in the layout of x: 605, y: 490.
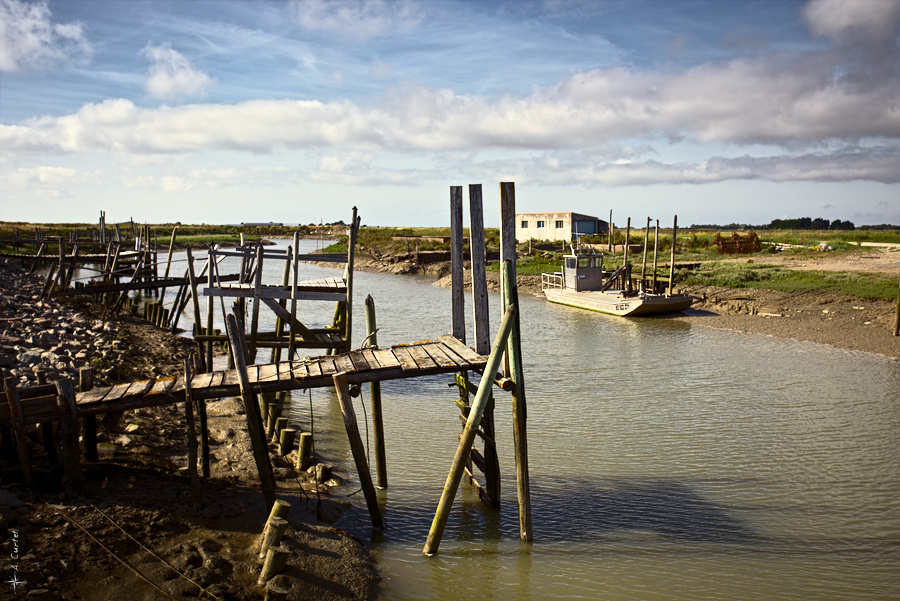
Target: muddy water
x: 668, y: 461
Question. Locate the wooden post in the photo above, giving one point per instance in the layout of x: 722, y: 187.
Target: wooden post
x: 295, y: 267
x: 348, y: 329
x: 275, y: 356
x: 520, y: 409
x: 257, y: 292
x: 482, y: 332
x: 273, y: 534
x: 356, y: 446
x: 191, y: 431
x: 209, y: 310
x: 276, y: 560
x: 456, y: 264
x: 279, y: 510
x: 468, y: 434
x: 609, y: 232
x: 68, y: 414
x: 162, y: 293
x: 375, y: 394
x: 17, y: 421
x: 897, y: 318
x: 198, y: 324
x: 286, y: 441
x: 655, y: 249
x: 304, y: 452
x: 251, y: 410
x: 644, y: 261
x: 89, y: 422
x: 672, y: 262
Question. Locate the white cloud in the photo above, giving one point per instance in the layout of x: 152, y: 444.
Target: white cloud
x: 356, y: 19
x: 172, y: 77
x: 854, y: 20
x: 31, y: 41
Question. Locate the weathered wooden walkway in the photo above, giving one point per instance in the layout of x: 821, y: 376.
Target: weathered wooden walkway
x: 445, y: 355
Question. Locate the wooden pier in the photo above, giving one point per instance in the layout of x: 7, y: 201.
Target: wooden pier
x: 341, y: 366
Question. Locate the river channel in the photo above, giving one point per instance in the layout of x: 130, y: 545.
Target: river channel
x: 668, y: 461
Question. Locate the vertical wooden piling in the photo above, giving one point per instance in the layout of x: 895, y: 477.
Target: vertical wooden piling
x: 257, y: 292
x: 457, y: 304
x: 520, y: 408
x: 68, y: 414
x: 18, y: 425
x: 482, y: 333
x: 191, y: 430
x: 251, y: 410
x: 89, y: 422
x: 468, y: 434
x: 375, y: 401
x: 162, y: 292
x: 655, y: 249
x: 295, y: 267
x: 897, y: 317
x: 209, y: 310
x: 198, y: 324
x: 351, y: 250
x: 644, y: 261
x: 304, y: 452
x: 356, y: 447
x: 672, y: 261
x: 609, y: 232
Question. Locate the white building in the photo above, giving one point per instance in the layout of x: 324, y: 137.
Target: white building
x: 557, y: 226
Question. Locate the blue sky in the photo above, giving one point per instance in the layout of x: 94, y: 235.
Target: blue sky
x: 294, y: 111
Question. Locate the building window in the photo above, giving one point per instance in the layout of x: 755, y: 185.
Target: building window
x: 524, y: 225
x: 540, y: 224
x: 559, y: 225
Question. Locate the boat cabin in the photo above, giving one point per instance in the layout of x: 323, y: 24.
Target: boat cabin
x: 583, y: 272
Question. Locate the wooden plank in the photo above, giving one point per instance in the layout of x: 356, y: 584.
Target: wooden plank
x: 268, y: 373
x: 404, y: 358
x: 342, y: 363
x: 359, y: 361
x: 326, y: 364
x: 299, y: 370
x: 462, y: 350
x: 439, y: 356
x: 386, y: 358
x: 93, y: 396
x: 162, y: 386
x: 218, y: 378
x: 141, y: 388
x: 202, y: 381
x: 371, y: 359
x: 285, y: 371
x: 315, y: 370
x: 118, y: 391
x: 423, y: 360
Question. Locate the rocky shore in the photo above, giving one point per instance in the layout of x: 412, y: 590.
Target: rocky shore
x: 137, y: 531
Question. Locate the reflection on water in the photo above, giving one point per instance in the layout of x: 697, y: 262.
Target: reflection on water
x: 667, y: 462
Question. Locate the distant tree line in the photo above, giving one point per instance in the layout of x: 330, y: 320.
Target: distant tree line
x: 801, y: 223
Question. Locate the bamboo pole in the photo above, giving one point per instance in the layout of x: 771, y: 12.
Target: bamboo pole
x: 375, y: 402
x: 356, y: 447
x: 672, y: 261
x: 251, y: 410
x: 520, y: 408
x: 467, y: 437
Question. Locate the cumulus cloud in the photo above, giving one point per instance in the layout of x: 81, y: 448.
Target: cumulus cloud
x: 356, y: 19
x: 31, y: 41
x: 854, y: 21
x: 171, y: 76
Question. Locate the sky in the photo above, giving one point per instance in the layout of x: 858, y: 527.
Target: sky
x: 294, y: 111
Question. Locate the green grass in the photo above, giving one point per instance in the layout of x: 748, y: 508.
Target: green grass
x: 742, y: 275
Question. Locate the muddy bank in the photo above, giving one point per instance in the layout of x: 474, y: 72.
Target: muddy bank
x: 138, y: 529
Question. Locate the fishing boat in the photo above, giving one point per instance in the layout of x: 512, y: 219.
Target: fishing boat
x: 583, y: 283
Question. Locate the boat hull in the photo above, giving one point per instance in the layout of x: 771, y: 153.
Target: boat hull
x: 615, y: 303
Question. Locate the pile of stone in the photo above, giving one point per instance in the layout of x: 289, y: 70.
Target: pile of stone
x: 42, y: 340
